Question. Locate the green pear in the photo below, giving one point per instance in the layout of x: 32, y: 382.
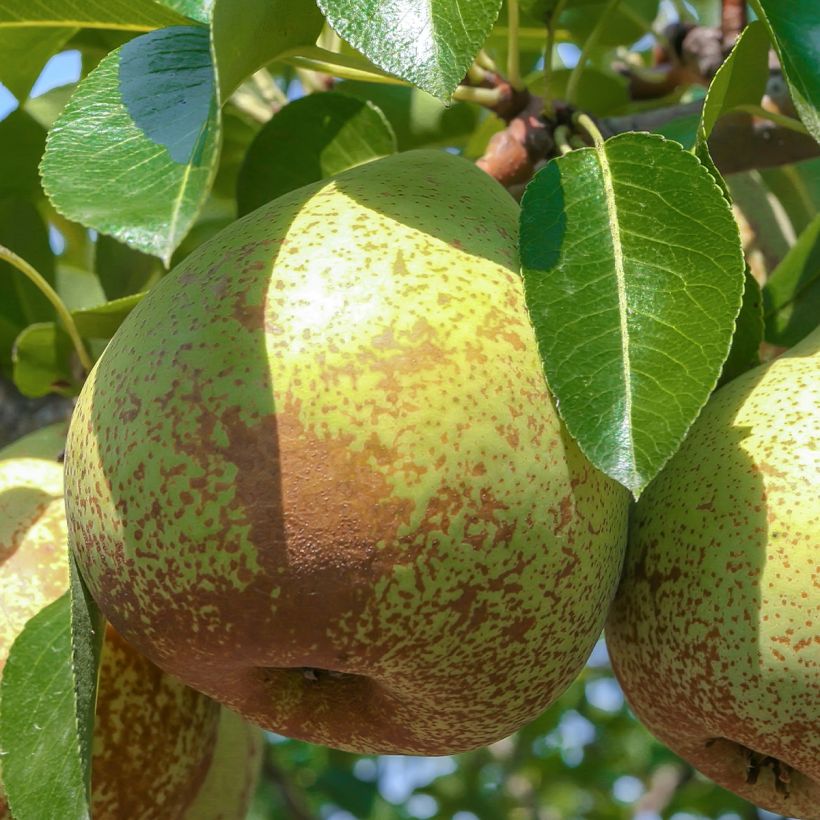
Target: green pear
x: 154, y: 737
x: 715, y: 631
x: 317, y: 473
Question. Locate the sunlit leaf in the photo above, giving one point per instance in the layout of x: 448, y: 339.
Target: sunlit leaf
x: 633, y: 275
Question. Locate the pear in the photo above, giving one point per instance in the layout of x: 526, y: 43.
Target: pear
x: 317, y: 473
x: 715, y: 632
x: 156, y: 742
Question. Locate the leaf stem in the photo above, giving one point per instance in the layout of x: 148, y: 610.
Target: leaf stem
x: 589, y: 44
x: 487, y: 97
x: 586, y: 122
x: 778, y: 119
x: 513, y: 55
x: 485, y: 61
x: 57, y: 303
x: 561, y: 135
x: 315, y: 58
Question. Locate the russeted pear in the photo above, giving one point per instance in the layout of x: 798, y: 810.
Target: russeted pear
x: 317, y: 472
x: 156, y: 742
x: 715, y: 631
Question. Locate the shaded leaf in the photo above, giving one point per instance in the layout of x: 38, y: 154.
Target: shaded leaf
x: 628, y: 22
x: 23, y: 53
x: 633, y: 316
x: 87, y: 633
x: 744, y: 353
x: 123, y: 270
x: 43, y: 773
x: 22, y: 141
x: 103, y: 321
x: 430, y: 44
x: 791, y: 296
x: 598, y: 92
x: 252, y: 33
x: 134, y: 152
x: 77, y: 288
x: 133, y: 14
x: 42, y: 361
x: 740, y: 80
x: 310, y: 139
x: 417, y: 118
x: 22, y: 230
x: 795, y: 31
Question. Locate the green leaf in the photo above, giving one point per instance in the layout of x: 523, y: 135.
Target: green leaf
x: 87, y: 634
x: 430, y: 44
x: 310, y: 139
x: 24, y: 51
x: 134, y: 152
x: 795, y: 31
x: 22, y: 141
x: 744, y: 353
x: 193, y: 9
x: 77, y: 288
x: 791, y: 296
x: 22, y: 230
x: 252, y: 33
x: 43, y: 773
x: 103, y: 321
x: 629, y: 21
x: 45, y: 108
x: 599, y: 92
x: 122, y: 270
x: 417, y: 118
x: 42, y: 361
x: 741, y: 79
x: 633, y: 275
x: 140, y: 15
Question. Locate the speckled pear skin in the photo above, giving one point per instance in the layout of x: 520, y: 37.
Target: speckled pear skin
x: 715, y: 631
x: 228, y: 790
x: 153, y: 737
x: 317, y: 473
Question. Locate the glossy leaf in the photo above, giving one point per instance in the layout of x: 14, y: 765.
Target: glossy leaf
x: 633, y: 275
x: 42, y: 769
x: 795, y: 31
x: 248, y: 34
x: 744, y: 353
x: 431, y: 44
x: 118, y: 14
x: 791, y: 296
x: 193, y: 9
x: 134, y: 152
x: 741, y: 79
x: 24, y: 51
x: 308, y: 140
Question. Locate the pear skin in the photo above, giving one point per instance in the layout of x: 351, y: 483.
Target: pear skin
x: 318, y: 475
x: 715, y: 631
